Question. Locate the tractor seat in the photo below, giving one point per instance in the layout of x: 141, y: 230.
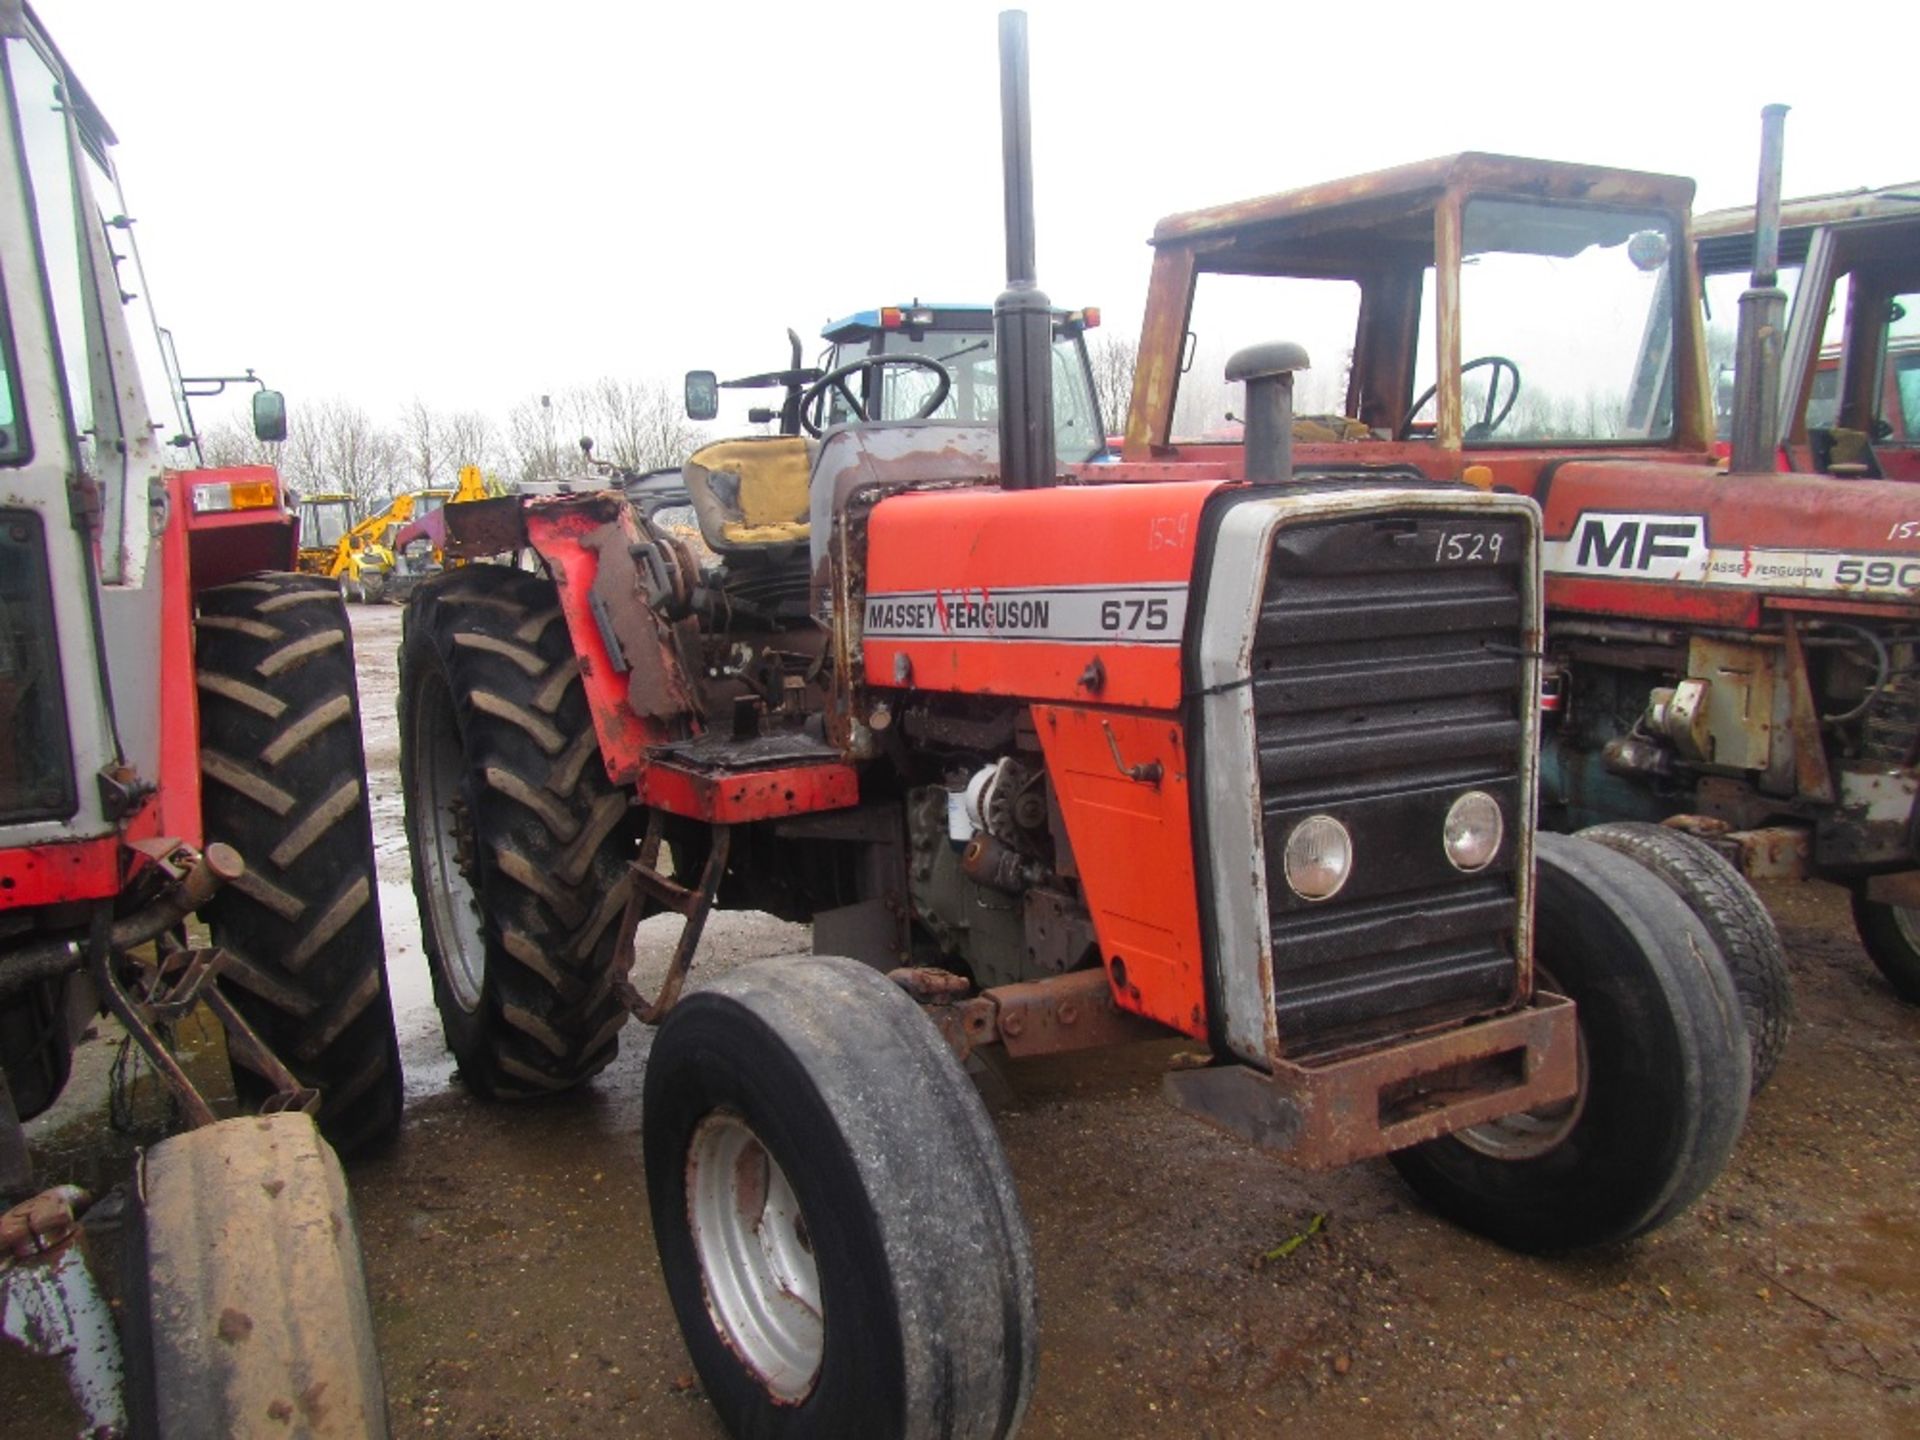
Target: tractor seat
x: 751, y: 492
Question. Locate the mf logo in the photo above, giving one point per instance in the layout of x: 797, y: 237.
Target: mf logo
x: 1649, y: 547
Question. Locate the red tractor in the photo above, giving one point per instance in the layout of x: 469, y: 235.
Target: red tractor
x: 1051, y: 757
x: 1734, y: 652
x: 179, y: 736
x: 1849, y: 393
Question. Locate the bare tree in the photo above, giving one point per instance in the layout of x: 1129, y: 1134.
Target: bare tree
x: 635, y: 424
x: 533, y: 444
x: 423, y: 436
x: 1114, y: 359
x: 230, y: 442
x: 469, y: 437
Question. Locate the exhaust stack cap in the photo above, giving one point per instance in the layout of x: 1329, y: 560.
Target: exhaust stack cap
x: 1268, y: 371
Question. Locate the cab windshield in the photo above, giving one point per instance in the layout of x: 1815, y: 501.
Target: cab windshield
x: 1566, y: 333
x: 324, y: 522
x: 968, y: 357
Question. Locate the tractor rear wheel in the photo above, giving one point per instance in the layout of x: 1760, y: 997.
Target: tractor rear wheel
x: 1891, y: 936
x: 246, y: 1309
x: 837, y: 1225
x: 1733, y: 915
x: 1663, y: 1064
x: 520, y: 843
x: 284, y: 781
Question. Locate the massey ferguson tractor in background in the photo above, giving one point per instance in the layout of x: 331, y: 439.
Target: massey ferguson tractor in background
x: 179, y: 735
x: 1849, y: 392
x: 1229, y: 753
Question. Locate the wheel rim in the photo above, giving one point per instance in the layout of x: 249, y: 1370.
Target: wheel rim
x: 448, y: 849
x: 1529, y: 1134
x: 756, y: 1260
x: 1907, y: 921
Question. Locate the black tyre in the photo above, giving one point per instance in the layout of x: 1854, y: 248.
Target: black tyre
x: 1664, y: 1070
x: 284, y: 782
x: 1891, y: 935
x: 1733, y: 915
x: 246, y: 1309
x: 520, y: 843
x: 837, y: 1226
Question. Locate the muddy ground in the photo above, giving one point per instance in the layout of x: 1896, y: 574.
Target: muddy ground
x: 516, y: 1294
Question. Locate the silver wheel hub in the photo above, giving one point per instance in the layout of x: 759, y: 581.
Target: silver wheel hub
x: 1529, y: 1134
x: 756, y: 1258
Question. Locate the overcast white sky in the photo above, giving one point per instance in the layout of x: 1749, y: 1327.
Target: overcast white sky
x: 477, y: 202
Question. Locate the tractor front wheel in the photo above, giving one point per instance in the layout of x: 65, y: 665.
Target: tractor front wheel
x: 1733, y: 915
x: 1664, y: 1070
x: 1891, y: 935
x: 246, y: 1309
x: 837, y: 1226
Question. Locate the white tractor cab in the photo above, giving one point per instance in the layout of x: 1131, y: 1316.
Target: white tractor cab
x: 866, y: 375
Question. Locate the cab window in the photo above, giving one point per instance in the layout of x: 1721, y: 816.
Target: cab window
x: 1231, y: 312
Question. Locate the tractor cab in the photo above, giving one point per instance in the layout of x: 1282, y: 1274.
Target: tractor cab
x: 959, y: 338
x: 1850, y: 369
x: 1512, y: 310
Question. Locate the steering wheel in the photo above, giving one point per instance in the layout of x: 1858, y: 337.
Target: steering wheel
x: 813, y: 399
x: 1490, y: 419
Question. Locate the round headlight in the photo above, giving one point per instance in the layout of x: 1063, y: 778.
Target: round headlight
x: 1318, y: 858
x: 1473, y: 831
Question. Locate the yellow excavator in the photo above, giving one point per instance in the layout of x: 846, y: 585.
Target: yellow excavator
x: 325, y: 520
x: 361, y: 560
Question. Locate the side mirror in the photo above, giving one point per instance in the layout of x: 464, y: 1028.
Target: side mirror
x: 703, y: 395
x: 269, y: 416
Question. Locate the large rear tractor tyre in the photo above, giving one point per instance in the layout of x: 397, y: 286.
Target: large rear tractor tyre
x: 1664, y: 1070
x: 284, y: 782
x: 246, y: 1311
x: 1891, y: 936
x: 520, y: 843
x: 1733, y: 915
x: 837, y: 1226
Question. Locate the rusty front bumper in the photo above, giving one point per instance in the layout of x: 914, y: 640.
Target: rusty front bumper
x: 1354, y: 1107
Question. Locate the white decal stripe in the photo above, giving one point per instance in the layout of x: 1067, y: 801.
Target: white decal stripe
x: 1153, y: 614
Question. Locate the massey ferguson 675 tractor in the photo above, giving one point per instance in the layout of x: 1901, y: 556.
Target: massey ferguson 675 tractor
x: 179, y: 734
x: 1050, y: 759
x: 1733, y: 651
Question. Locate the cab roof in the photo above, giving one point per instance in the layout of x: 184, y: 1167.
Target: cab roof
x: 1837, y: 208
x: 1406, y: 189
x: 865, y: 323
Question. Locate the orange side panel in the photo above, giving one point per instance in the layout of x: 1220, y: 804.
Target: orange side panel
x: 1019, y: 592
x: 1132, y: 842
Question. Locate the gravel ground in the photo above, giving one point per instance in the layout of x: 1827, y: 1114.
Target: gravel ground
x: 516, y: 1292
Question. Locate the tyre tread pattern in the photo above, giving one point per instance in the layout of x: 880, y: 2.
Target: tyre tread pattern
x: 553, y: 835
x: 284, y: 777
x: 1733, y: 914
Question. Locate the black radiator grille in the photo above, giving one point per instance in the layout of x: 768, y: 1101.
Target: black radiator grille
x: 1388, y: 675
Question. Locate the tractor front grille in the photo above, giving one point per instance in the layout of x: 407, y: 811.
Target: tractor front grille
x: 1389, y: 673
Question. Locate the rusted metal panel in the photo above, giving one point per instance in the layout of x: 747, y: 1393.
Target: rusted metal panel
x: 1812, y: 777
x: 1542, y: 179
x: 1320, y: 1116
x: 473, y: 528
x: 735, y: 797
x: 1773, y: 852
x: 1036, y: 1017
